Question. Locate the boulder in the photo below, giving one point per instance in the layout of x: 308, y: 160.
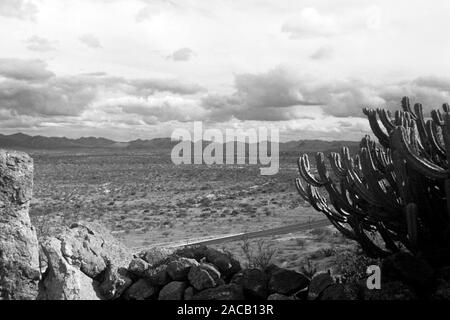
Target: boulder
x: 91, y: 250
x: 192, y: 252
x: 254, y: 283
x: 140, y: 290
x: 138, y: 267
x: 286, y: 281
x: 64, y: 281
x: 154, y: 256
x: 226, y: 264
x: 318, y: 284
x: 158, y: 276
x: 91, y: 247
x: 19, y: 249
x: 204, y: 276
x: 115, y: 282
x: 222, y: 292
x: 178, y: 269
x: 173, y: 291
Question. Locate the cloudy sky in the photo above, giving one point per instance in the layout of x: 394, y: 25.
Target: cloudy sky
x: 127, y: 69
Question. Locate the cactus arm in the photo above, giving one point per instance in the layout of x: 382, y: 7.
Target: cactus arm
x: 446, y: 108
x: 421, y: 165
x: 388, y: 200
x: 304, y: 169
x: 383, y: 138
x: 385, y: 118
x: 336, y: 165
x: 420, y: 123
x: 406, y: 106
x: 437, y: 117
x: 434, y: 141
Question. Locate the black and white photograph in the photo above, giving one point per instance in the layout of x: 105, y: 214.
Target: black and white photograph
x: 243, y: 151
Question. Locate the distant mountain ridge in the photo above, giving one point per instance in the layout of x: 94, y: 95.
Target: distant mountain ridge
x: 24, y: 141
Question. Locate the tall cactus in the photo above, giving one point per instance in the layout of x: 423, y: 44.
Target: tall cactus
x: 392, y: 195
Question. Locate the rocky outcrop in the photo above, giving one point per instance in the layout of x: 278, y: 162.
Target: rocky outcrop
x: 84, y: 262
x: 19, y: 251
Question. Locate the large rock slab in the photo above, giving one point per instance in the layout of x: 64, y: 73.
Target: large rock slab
x: 64, y: 281
x: 19, y: 250
x: 85, y: 250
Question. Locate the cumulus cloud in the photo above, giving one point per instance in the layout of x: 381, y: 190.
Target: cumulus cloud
x: 19, y: 69
x: 282, y: 95
x: 183, y: 54
x: 20, y: 9
x: 158, y: 108
x: 267, y: 96
x: 57, y: 96
x: 36, y: 43
x: 29, y: 88
x: 90, y: 40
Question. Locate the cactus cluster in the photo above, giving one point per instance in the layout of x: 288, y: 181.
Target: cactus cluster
x: 392, y: 195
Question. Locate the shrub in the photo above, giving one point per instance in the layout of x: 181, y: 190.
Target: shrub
x: 259, y: 256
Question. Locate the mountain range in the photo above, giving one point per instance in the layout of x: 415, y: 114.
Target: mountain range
x: 24, y: 141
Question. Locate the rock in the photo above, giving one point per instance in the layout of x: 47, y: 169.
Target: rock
x: 115, y: 282
x: 405, y: 267
x: 277, y: 296
x: 189, y: 293
x: 394, y: 290
x: 154, y: 256
x: 286, y: 282
x: 193, y: 252
x: 222, y: 292
x: 91, y: 247
x: 178, y: 269
x: 203, y: 276
x: 173, y: 291
x: 141, y: 290
x: 254, y: 283
x: 138, y: 267
x: 64, y: 281
x: 227, y: 265
x: 318, y: 284
x: 19, y: 249
x: 158, y: 276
